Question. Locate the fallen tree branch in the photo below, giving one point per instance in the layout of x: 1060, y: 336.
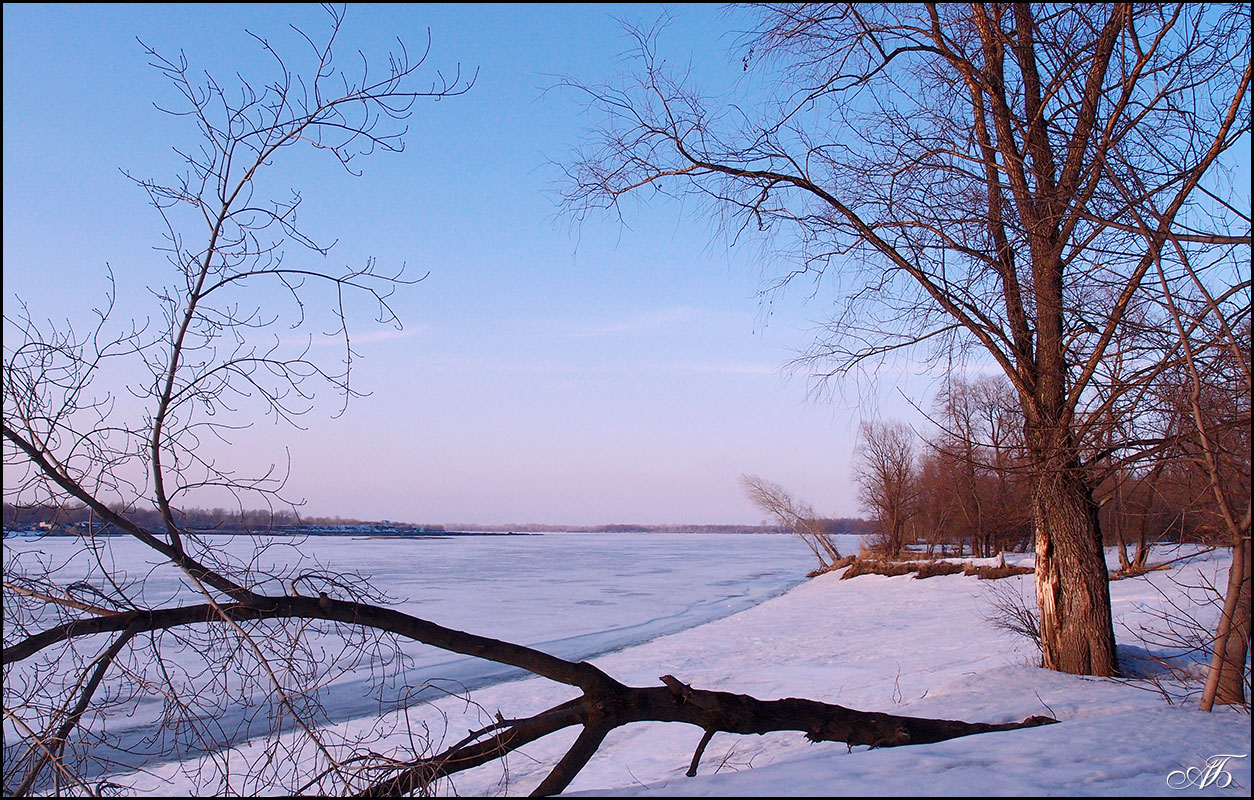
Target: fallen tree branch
x: 604, y: 705
x: 696, y: 757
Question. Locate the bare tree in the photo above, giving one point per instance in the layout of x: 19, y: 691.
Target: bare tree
x: 793, y: 514
x: 234, y: 633
x: 884, y: 468
x: 210, y: 364
x: 992, y: 179
x: 958, y: 446
x: 939, y: 519
x: 981, y: 445
x: 1214, y: 396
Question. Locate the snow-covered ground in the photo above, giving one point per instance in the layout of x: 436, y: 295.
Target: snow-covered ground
x: 899, y: 645
x: 913, y: 647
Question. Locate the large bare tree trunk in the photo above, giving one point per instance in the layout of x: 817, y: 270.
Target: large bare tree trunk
x: 1072, y: 584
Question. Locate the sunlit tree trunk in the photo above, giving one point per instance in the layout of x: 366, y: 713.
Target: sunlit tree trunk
x: 1072, y: 585
x: 1225, y: 682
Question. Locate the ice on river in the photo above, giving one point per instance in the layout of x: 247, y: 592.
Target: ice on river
x: 574, y: 595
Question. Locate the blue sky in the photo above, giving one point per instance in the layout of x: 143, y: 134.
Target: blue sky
x: 547, y: 371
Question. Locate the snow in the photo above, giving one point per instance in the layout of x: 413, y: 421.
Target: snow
x: 899, y: 645
x: 912, y: 647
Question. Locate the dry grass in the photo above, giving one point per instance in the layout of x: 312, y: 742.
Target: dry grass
x: 840, y: 564
x: 875, y: 566
x: 929, y: 569
x: 863, y: 565
x: 1136, y: 572
x: 995, y: 571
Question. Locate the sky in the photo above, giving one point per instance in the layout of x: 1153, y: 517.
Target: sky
x: 549, y: 370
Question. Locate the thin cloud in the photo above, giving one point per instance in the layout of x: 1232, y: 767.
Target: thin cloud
x: 640, y: 323
x: 358, y: 338
x: 634, y: 369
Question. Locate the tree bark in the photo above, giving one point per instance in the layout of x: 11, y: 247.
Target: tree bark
x: 1072, y: 583
x: 614, y: 705
x: 1225, y: 682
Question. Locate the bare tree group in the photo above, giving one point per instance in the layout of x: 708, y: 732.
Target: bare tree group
x: 87, y: 643
x: 886, y: 481
x: 1036, y: 187
x: 1184, y: 476
x: 963, y: 478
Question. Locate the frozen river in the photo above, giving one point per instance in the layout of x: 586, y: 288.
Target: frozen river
x: 574, y: 595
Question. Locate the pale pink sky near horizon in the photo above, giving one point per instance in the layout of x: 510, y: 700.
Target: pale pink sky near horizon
x: 547, y: 372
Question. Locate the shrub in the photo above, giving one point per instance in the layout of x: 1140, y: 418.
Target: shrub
x: 1008, y: 611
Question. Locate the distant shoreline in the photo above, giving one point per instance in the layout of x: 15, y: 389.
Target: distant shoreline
x: 77, y: 520
x: 399, y: 534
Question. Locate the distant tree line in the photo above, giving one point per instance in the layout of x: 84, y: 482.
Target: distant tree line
x: 853, y: 525
x: 260, y: 520
x: 204, y: 519
x: 959, y: 488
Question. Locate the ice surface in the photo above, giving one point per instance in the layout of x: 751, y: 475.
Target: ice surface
x: 574, y: 595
